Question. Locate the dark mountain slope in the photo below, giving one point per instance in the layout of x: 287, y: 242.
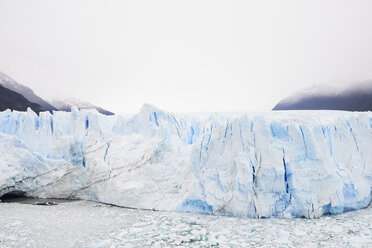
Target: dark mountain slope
x: 28, y: 93
x: 12, y: 100
x: 357, y: 97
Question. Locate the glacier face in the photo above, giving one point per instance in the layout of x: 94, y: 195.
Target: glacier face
x: 284, y: 164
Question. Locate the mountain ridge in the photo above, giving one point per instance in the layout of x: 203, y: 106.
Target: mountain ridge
x: 25, y: 91
x: 355, y: 97
x: 12, y: 100
x: 68, y: 103
x: 37, y: 103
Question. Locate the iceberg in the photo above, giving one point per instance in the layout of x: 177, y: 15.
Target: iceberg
x: 257, y: 165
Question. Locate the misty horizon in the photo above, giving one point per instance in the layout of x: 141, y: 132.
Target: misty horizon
x: 317, y: 96
x: 205, y: 56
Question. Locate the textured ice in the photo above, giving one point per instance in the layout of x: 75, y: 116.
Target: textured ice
x: 284, y: 164
x: 95, y: 225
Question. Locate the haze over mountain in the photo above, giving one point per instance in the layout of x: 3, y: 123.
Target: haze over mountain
x: 67, y: 104
x: 12, y: 100
x: 25, y: 91
x: 16, y: 96
x: 355, y: 97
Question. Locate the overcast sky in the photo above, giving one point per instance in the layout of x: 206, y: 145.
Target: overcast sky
x: 184, y: 55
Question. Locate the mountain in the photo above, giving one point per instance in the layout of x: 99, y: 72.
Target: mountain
x: 12, y: 100
x: 41, y: 105
x: 356, y: 97
x: 67, y: 104
x: 28, y: 93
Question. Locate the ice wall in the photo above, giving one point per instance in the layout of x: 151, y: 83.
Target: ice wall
x: 285, y: 164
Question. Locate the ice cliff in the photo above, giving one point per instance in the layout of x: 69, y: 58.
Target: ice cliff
x: 285, y: 164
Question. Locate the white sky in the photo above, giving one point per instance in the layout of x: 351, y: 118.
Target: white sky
x: 184, y: 55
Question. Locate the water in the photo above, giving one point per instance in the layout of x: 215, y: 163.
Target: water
x: 89, y: 224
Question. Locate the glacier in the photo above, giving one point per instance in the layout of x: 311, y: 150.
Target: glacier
x: 257, y: 165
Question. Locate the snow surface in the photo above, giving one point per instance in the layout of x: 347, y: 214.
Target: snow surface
x: 284, y: 164
x: 94, y: 225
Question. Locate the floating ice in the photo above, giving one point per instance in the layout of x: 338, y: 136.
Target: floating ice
x: 285, y: 164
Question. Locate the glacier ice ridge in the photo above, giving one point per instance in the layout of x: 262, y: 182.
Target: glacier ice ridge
x: 256, y: 165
